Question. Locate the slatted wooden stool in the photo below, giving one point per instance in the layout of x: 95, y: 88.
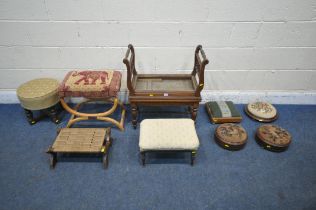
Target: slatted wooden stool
x: 81, y: 141
x: 168, y: 135
x: 94, y: 86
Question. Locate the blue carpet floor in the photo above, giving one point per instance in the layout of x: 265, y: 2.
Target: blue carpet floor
x: 252, y: 178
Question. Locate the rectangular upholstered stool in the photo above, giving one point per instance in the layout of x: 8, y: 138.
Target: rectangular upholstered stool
x: 168, y: 135
x: 81, y: 141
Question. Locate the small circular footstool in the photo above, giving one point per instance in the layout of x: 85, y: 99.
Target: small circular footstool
x: 168, y: 135
x: 231, y: 136
x: 273, y: 138
x: 39, y: 94
x: 261, y: 111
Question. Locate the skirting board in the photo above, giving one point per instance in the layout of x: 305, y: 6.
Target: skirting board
x: 238, y: 97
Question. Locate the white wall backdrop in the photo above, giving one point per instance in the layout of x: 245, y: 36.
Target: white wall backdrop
x: 256, y: 48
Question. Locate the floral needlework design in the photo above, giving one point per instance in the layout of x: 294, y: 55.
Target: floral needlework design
x: 262, y: 107
x: 231, y: 132
x: 90, y: 84
x: 90, y: 77
x: 275, y: 134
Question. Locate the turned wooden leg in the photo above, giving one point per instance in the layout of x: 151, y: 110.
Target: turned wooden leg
x: 60, y: 107
x: 106, y: 148
x: 193, y: 154
x: 194, y: 110
x: 189, y: 109
x: 29, y: 116
x: 143, y: 157
x: 53, y: 114
x: 134, y: 115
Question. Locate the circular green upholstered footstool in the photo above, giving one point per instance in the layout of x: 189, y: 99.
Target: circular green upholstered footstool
x: 40, y: 95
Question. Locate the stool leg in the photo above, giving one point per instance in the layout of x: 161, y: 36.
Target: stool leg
x: 194, y: 110
x: 134, y: 115
x: 193, y: 154
x: 106, y: 148
x: 53, y: 160
x: 105, y: 161
x: 29, y: 116
x: 143, y: 157
x: 53, y: 114
x: 189, y: 110
x: 59, y: 107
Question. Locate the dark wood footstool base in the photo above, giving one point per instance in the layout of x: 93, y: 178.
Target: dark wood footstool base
x: 229, y: 147
x: 273, y: 138
x: 52, y: 112
x: 270, y: 147
x: 82, y: 141
x: 29, y: 117
x: 143, y: 154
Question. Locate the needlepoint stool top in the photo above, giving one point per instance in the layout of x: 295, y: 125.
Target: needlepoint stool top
x: 38, y: 93
x: 168, y: 134
x: 91, y: 84
x: 274, y: 135
x: 261, y: 111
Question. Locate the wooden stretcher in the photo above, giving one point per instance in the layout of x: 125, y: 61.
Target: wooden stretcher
x: 77, y: 116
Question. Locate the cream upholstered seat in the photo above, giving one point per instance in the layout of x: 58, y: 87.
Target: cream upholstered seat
x: 168, y: 134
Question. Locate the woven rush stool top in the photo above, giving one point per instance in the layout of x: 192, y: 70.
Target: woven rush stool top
x: 91, y: 84
x: 38, y: 93
x: 168, y: 134
x: 79, y: 140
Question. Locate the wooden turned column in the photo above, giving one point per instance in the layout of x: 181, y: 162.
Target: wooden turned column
x: 193, y: 155
x: 194, y: 110
x: 53, y: 114
x: 143, y: 157
x: 134, y: 115
x: 29, y: 116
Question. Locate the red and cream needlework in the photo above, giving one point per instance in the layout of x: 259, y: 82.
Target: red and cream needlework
x: 91, y: 84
